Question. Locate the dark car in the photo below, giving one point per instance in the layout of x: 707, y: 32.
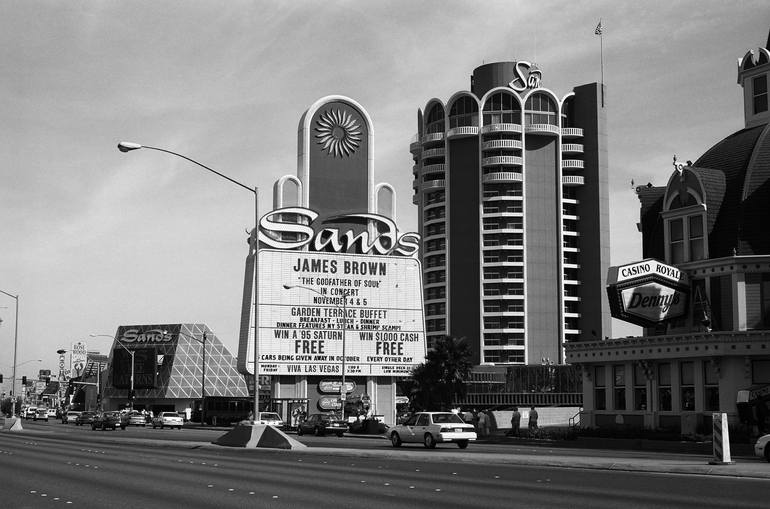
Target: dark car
x: 85, y: 418
x: 109, y: 420
x: 321, y: 424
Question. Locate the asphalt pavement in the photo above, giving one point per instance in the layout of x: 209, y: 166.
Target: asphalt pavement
x: 498, y: 449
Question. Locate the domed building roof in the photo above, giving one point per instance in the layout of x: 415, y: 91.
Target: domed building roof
x: 736, y: 176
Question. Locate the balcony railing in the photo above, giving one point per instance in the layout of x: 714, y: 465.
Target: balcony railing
x: 433, y: 152
x: 498, y: 144
x: 459, y: 132
x: 432, y: 138
x: 572, y: 132
x: 501, y: 128
x: 572, y: 148
x: 503, y: 176
x: 572, y: 163
x: 542, y: 129
x: 502, y: 161
x: 572, y: 180
x: 434, y: 184
x: 433, y: 168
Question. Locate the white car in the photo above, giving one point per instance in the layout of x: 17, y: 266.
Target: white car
x: 761, y: 449
x: 271, y: 418
x: 431, y: 428
x: 52, y: 413
x: 170, y: 419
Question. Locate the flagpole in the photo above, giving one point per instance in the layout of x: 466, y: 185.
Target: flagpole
x: 601, y: 60
x: 600, y: 32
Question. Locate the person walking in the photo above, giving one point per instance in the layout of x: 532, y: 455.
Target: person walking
x: 532, y: 420
x: 483, y: 424
x: 515, y: 422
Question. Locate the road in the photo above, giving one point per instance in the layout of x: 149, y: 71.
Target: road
x: 63, y: 464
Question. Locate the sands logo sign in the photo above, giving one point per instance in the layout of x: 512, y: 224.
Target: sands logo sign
x: 148, y: 336
x: 647, y: 293
x: 526, y: 76
x: 379, y: 234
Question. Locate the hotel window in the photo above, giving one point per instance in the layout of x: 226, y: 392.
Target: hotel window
x: 600, y: 397
x: 664, y: 387
x: 759, y: 89
x: 540, y: 109
x: 501, y: 108
x: 619, y: 386
x: 464, y: 112
x: 435, y: 121
x: 686, y: 239
x: 687, y: 385
x: 711, y: 387
x: 640, y: 388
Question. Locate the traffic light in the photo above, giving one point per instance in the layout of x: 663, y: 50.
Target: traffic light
x: 24, y: 380
x: 48, y: 379
x: 72, y: 384
x: 131, y: 394
x: 1, y: 378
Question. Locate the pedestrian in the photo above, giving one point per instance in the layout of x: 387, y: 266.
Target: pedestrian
x: 532, y: 420
x: 483, y: 424
x: 515, y: 422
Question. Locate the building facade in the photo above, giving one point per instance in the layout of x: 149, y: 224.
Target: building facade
x: 511, y: 184
x: 709, y: 221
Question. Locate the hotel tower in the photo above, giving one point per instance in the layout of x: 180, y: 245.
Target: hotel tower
x: 511, y: 184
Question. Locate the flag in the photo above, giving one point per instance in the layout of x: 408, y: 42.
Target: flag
x: 599, y: 28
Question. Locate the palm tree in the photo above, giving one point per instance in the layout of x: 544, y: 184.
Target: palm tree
x: 441, y: 378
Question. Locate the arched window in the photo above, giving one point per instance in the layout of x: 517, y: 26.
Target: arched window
x: 434, y: 123
x: 502, y: 108
x: 540, y: 109
x: 464, y: 112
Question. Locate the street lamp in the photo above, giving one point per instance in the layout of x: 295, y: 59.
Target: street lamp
x: 344, y: 309
x: 203, y: 373
x: 131, y: 353
x: 15, y: 343
x: 127, y: 146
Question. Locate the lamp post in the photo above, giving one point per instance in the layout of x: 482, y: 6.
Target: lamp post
x: 203, y: 373
x: 126, y: 146
x: 15, y: 344
x: 131, y: 353
x: 344, y: 309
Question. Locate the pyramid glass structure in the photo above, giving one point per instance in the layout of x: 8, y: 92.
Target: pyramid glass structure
x: 169, y: 363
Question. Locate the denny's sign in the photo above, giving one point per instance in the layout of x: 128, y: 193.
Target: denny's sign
x: 647, y: 293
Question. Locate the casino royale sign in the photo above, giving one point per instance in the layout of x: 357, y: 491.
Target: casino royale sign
x: 647, y: 293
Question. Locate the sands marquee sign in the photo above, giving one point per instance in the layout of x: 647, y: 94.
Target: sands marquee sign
x: 647, y: 293
x: 375, y: 234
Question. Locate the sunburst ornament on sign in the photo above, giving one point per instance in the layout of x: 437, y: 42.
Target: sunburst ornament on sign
x: 338, y: 133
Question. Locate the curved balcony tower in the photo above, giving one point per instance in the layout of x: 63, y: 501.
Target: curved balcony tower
x: 511, y: 185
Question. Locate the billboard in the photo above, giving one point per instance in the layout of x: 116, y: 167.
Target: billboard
x: 78, y: 358
x: 647, y: 292
x: 312, y: 305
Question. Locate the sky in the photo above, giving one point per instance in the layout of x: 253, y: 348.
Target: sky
x: 91, y: 238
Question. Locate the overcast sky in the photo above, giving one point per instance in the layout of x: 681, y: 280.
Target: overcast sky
x: 91, y: 238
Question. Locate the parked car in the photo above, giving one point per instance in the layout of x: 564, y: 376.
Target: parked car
x: 430, y: 428
x: 109, y: 420
x: 321, y: 424
x: 85, y: 418
x: 41, y: 415
x: 52, y: 413
x: 69, y: 417
x: 271, y: 418
x: 30, y: 412
x: 761, y: 448
x: 137, y: 419
x: 170, y: 419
